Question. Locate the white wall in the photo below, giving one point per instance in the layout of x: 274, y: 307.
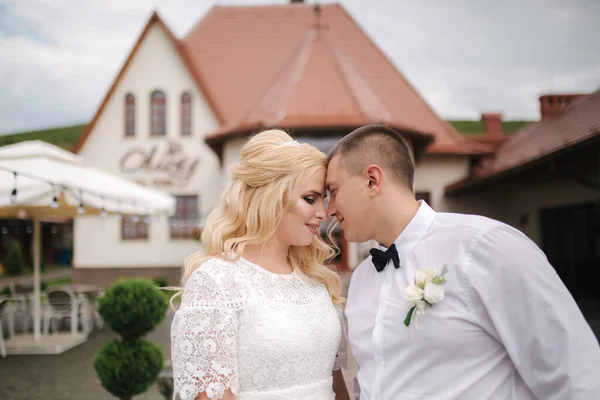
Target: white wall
x: 156, y: 65
x: 232, y: 151
x: 434, y: 173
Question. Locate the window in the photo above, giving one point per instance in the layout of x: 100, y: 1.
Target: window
x: 129, y: 115
x: 186, y: 114
x: 425, y: 196
x: 158, y: 114
x: 185, y: 222
x: 134, y: 228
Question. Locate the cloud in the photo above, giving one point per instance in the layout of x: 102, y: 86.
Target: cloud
x: 58, y: 57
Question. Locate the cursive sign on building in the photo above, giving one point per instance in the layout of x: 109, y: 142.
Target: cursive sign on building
x: 165, y: 164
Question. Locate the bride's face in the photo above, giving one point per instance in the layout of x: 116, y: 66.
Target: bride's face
x: 301, y: 222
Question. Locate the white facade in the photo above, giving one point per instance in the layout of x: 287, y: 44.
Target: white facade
x: 232, y: 150
x: 434, y: 173
x: 156, y: 65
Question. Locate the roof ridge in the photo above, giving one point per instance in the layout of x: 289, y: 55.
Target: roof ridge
x: 338, y: 64
x: 448, y: 128
x: 302, y: 44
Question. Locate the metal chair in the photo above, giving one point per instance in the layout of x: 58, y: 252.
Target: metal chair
x: 62, y: 303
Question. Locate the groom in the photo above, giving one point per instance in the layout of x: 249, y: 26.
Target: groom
x: 449, y: 306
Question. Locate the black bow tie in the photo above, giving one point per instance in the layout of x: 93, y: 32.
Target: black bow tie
x: 381, y: 258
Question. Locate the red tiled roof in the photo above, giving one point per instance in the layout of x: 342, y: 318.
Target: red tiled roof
x: 282, y: 66
x: 578, y: 123
x: 264, y: 66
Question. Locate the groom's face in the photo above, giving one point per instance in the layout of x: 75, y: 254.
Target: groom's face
x: 349, y: 201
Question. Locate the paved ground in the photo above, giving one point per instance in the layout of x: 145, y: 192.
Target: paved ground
x: 70, y: 375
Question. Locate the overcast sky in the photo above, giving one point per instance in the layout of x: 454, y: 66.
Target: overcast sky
x: 58, y: 57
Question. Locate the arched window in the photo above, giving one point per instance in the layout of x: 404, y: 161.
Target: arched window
x: 158, y: 113
x: 129, y: 114
x: 186, y: 114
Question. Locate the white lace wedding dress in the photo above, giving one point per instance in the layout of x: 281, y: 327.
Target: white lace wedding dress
x: 263, y: 335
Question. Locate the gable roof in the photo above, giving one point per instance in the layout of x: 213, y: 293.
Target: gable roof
x: 577, y: 124
x: 290, y: 67
x: 185, y: 57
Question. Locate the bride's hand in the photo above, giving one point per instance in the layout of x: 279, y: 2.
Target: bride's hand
x: 228, y: 396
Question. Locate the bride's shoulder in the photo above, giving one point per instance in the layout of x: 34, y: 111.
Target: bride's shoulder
x: 217, y: 278
x: 218, y: 270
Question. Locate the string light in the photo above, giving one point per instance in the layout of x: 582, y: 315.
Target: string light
x: 13, y: 195
x: 57, y: 188
x: 81, y: 208
x: 54, y: 204
x: 103, y: 212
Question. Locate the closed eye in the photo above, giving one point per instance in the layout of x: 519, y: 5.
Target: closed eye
x: 310, y: 200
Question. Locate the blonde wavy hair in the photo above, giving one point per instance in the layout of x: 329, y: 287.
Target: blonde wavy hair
x: 253, y: 204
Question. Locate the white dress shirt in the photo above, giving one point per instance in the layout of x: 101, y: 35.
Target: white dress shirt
x: 507, y: 328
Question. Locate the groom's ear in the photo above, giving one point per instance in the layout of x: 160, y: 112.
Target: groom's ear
x: 374, y: 176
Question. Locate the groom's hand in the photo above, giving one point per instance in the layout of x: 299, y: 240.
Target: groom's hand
x: 339, y: 386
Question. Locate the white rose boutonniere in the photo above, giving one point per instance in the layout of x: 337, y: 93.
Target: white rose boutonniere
x: 426, y: 291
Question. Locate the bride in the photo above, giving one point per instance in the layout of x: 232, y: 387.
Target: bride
x: 260, y: 315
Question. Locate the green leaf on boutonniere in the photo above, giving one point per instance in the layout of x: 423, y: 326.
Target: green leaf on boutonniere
x: 438, y: 280
x: 409, y: 316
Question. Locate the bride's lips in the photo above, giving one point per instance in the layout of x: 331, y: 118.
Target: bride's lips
x: 313, y: 228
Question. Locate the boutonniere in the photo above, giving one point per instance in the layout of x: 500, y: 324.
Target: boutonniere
x: 426, y: 291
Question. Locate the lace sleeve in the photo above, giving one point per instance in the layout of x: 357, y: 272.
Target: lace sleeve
x: 203, y: 336
x: 341, y: 358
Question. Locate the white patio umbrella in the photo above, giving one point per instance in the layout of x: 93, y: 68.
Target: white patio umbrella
x: 39, y: 180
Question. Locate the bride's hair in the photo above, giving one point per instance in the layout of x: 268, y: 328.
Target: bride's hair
x: 254, y: 201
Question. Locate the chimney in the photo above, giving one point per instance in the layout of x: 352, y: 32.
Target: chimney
x: 492, y: 125
x: 552, y: 105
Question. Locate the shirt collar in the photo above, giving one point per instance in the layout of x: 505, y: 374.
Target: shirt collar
x: 413, y: 232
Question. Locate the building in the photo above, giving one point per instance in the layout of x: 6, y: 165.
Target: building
x: 179, y: 111
x: 545, y: 181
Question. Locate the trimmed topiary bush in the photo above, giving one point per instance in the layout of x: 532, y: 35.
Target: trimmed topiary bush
x: 128, y: 368
x: 13, y: 264
x: 132, y: 308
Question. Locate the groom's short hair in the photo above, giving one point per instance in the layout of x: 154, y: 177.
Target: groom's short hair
x: 376, y: 144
